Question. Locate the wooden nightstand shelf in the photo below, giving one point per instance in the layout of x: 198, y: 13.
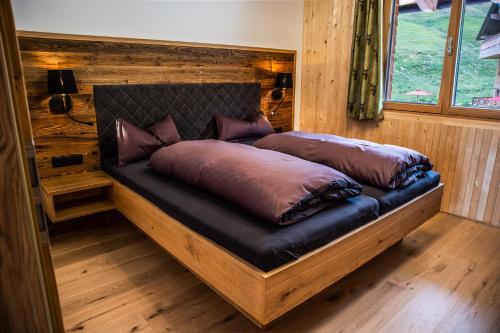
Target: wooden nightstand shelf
x: 71, y: 196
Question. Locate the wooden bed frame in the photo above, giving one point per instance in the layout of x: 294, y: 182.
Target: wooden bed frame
x: 265, y: 296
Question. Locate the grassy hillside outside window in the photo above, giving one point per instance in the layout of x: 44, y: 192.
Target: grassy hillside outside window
x: 444, y: 59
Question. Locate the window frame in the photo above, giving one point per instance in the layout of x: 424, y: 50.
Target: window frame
x: 448, y: 77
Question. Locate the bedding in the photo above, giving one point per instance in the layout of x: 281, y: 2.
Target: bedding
x: 391, y: 199
x: 264, y: 245
x: 133, y: 142
x: 275, y: 187
x: 384, y: 166
x: 166, y: 131
x: 231, y: 128
x: 246, y: 141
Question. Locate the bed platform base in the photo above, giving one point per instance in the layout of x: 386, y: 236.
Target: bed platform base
x: 265, y: 296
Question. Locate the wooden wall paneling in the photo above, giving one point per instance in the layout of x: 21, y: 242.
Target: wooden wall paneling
x: 480, y: 173
x: 452, y: 165
x: 494, y: 190
x: 495, y: 220
x: 465, y: 156
x: 106, y: 60
x: 321, y: 43
x: 465, y: 151
x: 465, y: 170
x: 446, y: 154
x: 459, y: 166
x: 323, y: 50
x: 28, y: 295
x: 490, y: 164
x: 472, y: 172
x: 307, y: 113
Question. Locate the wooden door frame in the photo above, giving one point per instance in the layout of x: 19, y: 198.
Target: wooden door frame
x: 28, y: 293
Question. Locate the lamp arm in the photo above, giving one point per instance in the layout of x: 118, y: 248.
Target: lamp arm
x: 279, y: 104
x: 88, y: 123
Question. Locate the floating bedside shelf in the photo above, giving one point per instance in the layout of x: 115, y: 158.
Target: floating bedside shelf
x: 71, y: 196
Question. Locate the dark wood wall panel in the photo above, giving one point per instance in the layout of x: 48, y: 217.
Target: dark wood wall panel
x: 103, y: 60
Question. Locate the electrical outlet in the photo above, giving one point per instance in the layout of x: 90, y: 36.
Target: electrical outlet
x: 67, y: 160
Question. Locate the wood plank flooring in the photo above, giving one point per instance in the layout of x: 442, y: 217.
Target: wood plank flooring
x: 443, y: 277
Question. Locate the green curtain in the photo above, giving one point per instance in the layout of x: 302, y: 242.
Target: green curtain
x: 366, y: 80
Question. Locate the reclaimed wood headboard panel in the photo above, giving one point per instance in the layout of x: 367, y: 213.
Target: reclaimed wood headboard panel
x: 109, y: 60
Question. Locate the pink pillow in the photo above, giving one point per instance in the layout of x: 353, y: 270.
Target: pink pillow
x: 134, y: 143
x: 166, y: 131
x: 232, y: 128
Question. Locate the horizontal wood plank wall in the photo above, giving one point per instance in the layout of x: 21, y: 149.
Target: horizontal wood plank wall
x: 106, y: 60
x: 465, y: 152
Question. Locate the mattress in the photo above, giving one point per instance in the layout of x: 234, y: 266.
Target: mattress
x: 389, y: 200
x: 262, y: 244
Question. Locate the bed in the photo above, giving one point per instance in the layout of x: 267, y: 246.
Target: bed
x: 263, y: 270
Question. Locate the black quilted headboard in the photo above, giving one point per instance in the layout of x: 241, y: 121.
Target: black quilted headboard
x: 192, y: 107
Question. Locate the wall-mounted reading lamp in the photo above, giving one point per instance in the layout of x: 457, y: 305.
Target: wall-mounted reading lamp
x: 61, y: 83
x: 283, y: 82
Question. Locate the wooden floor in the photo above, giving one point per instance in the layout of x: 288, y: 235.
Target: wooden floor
x: 444, y: 277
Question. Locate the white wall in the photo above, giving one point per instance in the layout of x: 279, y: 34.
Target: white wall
x: 267, y: 23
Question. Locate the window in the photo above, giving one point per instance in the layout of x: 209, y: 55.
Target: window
x: 444, y: 57
x: 417, y: 58
x: 478, y: 57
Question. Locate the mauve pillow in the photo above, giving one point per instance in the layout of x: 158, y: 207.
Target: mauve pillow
x: 134, y: 143
x: 166, y: 131
x: 232, y: 128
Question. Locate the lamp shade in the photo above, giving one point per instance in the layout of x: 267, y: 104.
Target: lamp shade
x: 61, y: 81
x: 284, y: 80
